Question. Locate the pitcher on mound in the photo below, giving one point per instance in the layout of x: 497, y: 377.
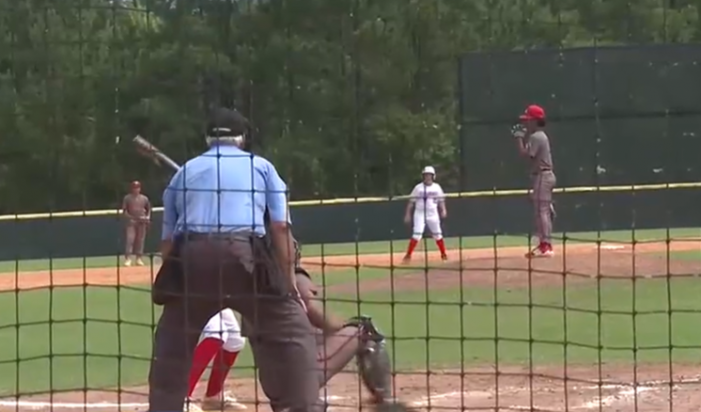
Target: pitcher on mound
x: 427, y: 201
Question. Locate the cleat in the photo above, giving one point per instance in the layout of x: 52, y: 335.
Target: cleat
x: 191, y: 406
x: 540, y: 252
x: 224, y: 402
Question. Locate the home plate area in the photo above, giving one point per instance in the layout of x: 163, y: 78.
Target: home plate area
x: 512, y: 389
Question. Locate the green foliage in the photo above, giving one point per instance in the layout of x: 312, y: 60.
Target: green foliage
x: 348, y: 97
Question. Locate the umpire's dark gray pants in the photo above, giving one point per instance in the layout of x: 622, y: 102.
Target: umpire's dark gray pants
x: 218, y: 274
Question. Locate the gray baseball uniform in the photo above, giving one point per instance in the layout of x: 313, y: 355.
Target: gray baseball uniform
x: 542, y: 183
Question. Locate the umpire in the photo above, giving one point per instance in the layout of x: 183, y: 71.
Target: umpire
x: 216, y: 255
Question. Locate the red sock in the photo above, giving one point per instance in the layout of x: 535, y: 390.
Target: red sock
x: 220, y: 369
x: 441, y: 246
x: 412, y: 245
x: 204, y: 352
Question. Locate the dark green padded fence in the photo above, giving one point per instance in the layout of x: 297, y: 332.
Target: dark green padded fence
x: 80, y: 236
x: 618, y: 115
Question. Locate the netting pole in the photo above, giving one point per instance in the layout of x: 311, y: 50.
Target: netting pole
x: 668, y: 235
x: 596, y: 175
x: 85, y: 320
x: 356, y: 72
x: 13, y: 46
x: 461, y: 187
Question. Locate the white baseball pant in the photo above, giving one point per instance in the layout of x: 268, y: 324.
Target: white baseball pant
x: 433, y: 223
x: 225, y: 327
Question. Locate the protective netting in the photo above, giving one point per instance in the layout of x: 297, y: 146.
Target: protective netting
x: 350, y: 100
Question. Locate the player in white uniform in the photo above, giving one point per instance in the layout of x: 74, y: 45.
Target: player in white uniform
x: 221, y: 340
x: 427, y: 201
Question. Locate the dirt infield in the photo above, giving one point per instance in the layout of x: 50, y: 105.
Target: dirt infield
x: 606, y: 387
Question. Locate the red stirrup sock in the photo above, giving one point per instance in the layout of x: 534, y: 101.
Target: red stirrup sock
x: 220, y: 369
x: 412, y: 245
x: 441, y: 246
x: 204, y: 352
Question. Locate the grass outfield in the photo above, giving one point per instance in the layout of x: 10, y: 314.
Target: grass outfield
x: 78, y: 338
x: 375, y: 247
x: 684, y: 255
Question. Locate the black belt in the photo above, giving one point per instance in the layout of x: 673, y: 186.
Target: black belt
x: 218, y: 237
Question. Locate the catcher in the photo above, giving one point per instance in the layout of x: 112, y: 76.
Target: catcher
x: 339, y: 341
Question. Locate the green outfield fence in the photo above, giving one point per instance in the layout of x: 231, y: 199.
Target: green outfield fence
x: 350, y: 100
x: 322, y: 202
x: 340, y: 221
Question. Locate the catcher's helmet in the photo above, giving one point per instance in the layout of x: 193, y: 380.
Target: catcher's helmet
x: 226, y: 125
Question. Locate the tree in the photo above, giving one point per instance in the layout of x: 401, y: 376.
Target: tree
x: 348, y: 98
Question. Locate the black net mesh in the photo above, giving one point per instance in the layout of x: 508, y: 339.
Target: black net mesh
x: 350, y: 100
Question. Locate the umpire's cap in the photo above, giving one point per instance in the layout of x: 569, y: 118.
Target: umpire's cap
x: 226, y: 125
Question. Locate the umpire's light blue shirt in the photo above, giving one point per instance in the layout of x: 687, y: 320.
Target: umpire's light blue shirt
x: 223, y: 190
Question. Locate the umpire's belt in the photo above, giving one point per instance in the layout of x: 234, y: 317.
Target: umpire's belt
x: 266, y: 267
x: 217, y: 237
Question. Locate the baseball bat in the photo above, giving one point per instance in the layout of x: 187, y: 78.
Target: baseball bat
x: 145, y: 147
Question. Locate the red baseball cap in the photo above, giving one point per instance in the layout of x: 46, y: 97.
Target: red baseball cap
x: 533, y: 112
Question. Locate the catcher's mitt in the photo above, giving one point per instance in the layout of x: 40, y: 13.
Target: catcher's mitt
x: 375, y: 367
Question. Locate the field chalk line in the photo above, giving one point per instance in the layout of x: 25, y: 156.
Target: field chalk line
x: 628, y: 392
x: 69, y: 405
x: 36, y: 405
x: 625, y: 392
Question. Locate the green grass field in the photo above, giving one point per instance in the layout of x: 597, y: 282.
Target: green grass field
x: 74, y: 338
x: 685, y: 255
x: 377, y: 247
x: 113, y: 346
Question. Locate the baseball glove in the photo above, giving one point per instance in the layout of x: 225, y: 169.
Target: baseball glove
x: 518, y: 131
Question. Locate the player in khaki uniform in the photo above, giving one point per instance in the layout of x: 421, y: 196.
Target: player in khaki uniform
x: 533, y: 143
x: 136, y: 208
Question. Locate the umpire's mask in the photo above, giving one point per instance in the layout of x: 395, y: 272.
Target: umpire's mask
x: 226, y: 126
